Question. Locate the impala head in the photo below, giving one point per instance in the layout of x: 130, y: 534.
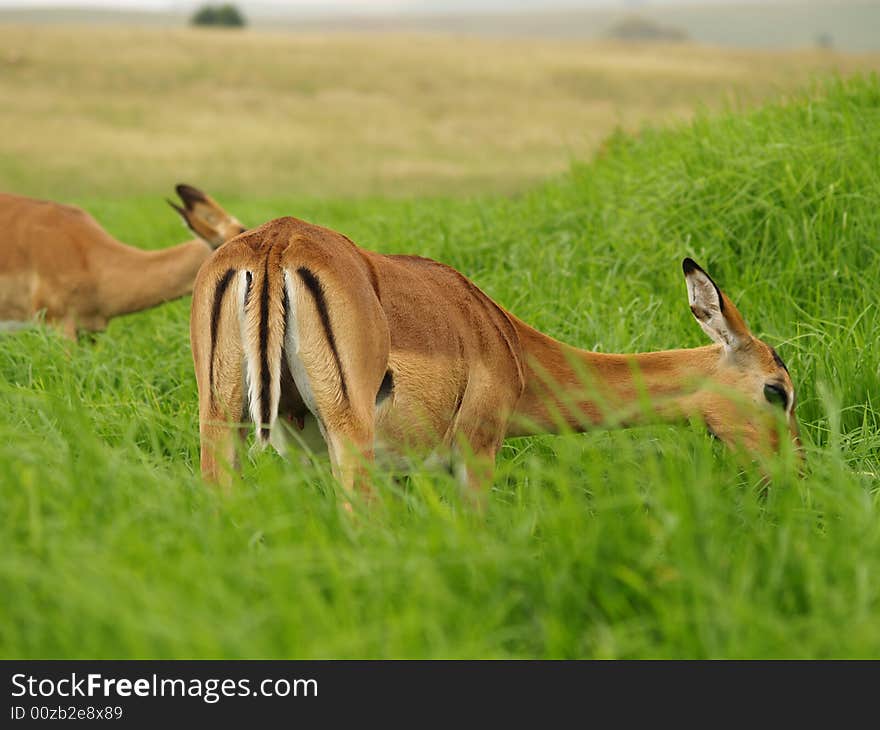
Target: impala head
x: 754, y: 389
x: 204, y: 217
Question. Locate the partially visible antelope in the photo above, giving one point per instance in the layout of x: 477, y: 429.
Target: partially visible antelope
x: 56, y: 259
x: 294, y: 326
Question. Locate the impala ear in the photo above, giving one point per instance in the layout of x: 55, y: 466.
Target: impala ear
x: 190, y: 195
x: 714, y: 312
x: 204, y: 217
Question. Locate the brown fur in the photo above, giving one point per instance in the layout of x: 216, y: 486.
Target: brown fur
x: 56, y: 259
x: 464, y: 373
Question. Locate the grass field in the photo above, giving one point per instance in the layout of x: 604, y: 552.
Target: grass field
x: 648, y: 543
x: 113, y: 112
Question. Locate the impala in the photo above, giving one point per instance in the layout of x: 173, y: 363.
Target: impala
x: 56, y: 259
x: 300, y: 331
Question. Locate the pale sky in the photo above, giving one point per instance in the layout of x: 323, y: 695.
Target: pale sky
x: 371, y: 5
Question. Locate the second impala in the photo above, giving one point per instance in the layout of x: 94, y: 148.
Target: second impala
x: 57, y: 260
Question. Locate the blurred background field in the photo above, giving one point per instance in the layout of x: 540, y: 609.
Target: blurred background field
x: 567, y: 177
x: 850, y: 25
x: 111, y: 112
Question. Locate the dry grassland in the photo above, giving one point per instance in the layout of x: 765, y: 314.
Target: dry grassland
x: 113, y: 112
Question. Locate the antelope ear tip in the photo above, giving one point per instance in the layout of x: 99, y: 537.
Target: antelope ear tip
x: 189, y: 194
x: 689, y: 266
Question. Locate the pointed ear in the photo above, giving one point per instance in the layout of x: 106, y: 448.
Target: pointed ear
x: 714, y: 312
x: 204, y: 216
x: 190, y: 195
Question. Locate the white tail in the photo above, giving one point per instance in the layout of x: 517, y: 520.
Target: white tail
x: 264, y: 313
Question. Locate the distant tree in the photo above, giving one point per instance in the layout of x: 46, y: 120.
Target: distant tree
x: 227, y: 15
x: 205, y: 15
x: 824, y: 40
x: 230, y: 15
x: 635, y: 28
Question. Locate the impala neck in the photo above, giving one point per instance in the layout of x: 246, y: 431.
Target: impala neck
x: 133, y: 279
x: 571, y: 389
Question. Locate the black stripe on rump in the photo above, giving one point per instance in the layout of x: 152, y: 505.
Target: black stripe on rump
x: 285, y: 308
x: 265, y: 405
x: 219, y: 293
x: 317, y: 291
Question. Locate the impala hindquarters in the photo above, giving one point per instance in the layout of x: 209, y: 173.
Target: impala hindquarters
x: 391, y: 353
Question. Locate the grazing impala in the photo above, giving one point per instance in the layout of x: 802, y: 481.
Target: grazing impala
x: 57, y: 259
x: 401, y: 354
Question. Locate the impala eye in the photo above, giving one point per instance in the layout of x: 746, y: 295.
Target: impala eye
x: 776, y: 395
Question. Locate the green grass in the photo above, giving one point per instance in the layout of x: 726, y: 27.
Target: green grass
x: 647, y: 543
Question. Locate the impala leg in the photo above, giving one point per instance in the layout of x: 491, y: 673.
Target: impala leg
x: 220, y: 430
x: 221, y: 408
x: 219, y: 369
x: 475, y: 468
x: 68, y: 327
x: 218, y: 447
x: 478, y: 438
x: 351, y: 456
x: 338, y: 355
x: 347, y: 414
x: 346, y: 417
